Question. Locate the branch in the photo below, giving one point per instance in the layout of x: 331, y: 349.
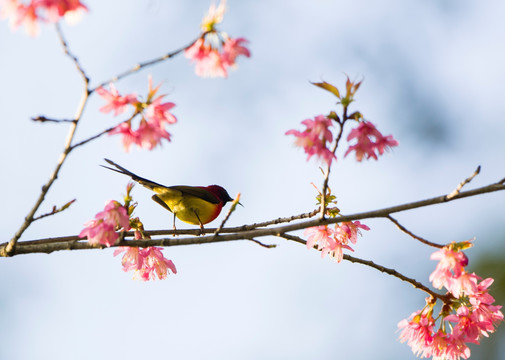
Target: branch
x: 392, y: 272
x: 447, y: 298
x: 70, y: 55
x: 43, y: 119
x: 232, y: 209
x: 463, y: 183
x: 327, y: 175
x: 147, y: 63
x: 70, y: 243
x: 55, y: 210
x: 11, y: 246
x: 406, y: 231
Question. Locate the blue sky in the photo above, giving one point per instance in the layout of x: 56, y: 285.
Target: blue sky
x: 433, y: 77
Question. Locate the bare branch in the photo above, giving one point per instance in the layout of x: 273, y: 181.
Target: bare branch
x: 64, y: 44
x: 147, y: 63
x: 232, y: 209
x: 327, y: 175
x: 268, y: 246
x: 43, y: 119
x: 392, y: 272
x: 406, y: 231
x: 55, y: 210
x: 447, y: 298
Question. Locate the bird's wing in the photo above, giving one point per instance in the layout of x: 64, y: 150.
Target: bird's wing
x: 142, y: 181
x: 198, y: 192
x: 161, y: 202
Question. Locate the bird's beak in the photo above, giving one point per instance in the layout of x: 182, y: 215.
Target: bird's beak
x: 240, y: 204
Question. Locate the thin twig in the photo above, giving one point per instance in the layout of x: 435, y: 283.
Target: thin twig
x: 232, y: 209
x: 463, y: 183
x: 43, y: 119
x: 392, y: 272
x: 268, y: 246
x: 406, y: 231
x: 327, y: 175
x: 70, y: 55
x: 275, y: 221
x: 85, y: 141
x: 446, y: 298
x: 55, y: 210
x: 147, y: 63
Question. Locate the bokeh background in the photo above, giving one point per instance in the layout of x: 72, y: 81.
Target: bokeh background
x: 433, y: 77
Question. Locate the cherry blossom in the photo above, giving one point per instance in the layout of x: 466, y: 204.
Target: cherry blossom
x: 102, y: 229
x: 369, y: 141
x: 315, y: 138
x: 115, y: 102
x: 31, y: 13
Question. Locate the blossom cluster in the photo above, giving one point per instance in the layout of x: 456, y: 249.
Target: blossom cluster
x: 102, y: 229
x: 147, y: 263
x: 214, y: 53
x: 332, y: 242
x: 36, y: 11
x: 317, y: 138
x: 154, y: 116
x: 369, y: 141
x: 470, y: 315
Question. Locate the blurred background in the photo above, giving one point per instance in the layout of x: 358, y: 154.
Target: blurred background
x: 433, y: 77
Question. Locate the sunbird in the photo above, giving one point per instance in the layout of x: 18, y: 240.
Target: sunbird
x: 197, y: 205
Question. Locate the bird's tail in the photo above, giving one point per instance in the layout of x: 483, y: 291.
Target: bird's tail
x: 142, y: 181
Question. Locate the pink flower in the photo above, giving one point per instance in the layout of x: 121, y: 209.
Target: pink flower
x: 448, y: 347
x: 452, y: 264
x: 317, y: 236
x: 158, y: 112
x: 468, y: 328
x: 349, y: 231
x: 208, y: 62
x: 233, y: 48
x: 212, y: 61
x: 417, y: 331
x: 333, y: 242
x: 115, y: 102
x: 56, y: 9
x: 29, y: 15
x: 465, y: 284
x: 20, y: 14
x: 315, y: 137
x: 102, y: 229
x: 129, y: 136
x: 147, y: 263
x: 369, y: 141
x: 99, y: 232
x: 483, y: 308
x: 149, y: 134
x: 133, y: 259
x: 151, y: 130
x: 155, y: 264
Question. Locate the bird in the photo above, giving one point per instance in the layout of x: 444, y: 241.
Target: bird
x: 197, y: 205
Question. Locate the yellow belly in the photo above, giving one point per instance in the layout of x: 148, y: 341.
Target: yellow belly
x: 187, y: 207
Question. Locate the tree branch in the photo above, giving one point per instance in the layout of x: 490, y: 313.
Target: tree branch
x: 70, y: 243
x: 147, y: 63
x: 406, y: 231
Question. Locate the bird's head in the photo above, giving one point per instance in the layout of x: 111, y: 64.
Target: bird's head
x: 220, y: 193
